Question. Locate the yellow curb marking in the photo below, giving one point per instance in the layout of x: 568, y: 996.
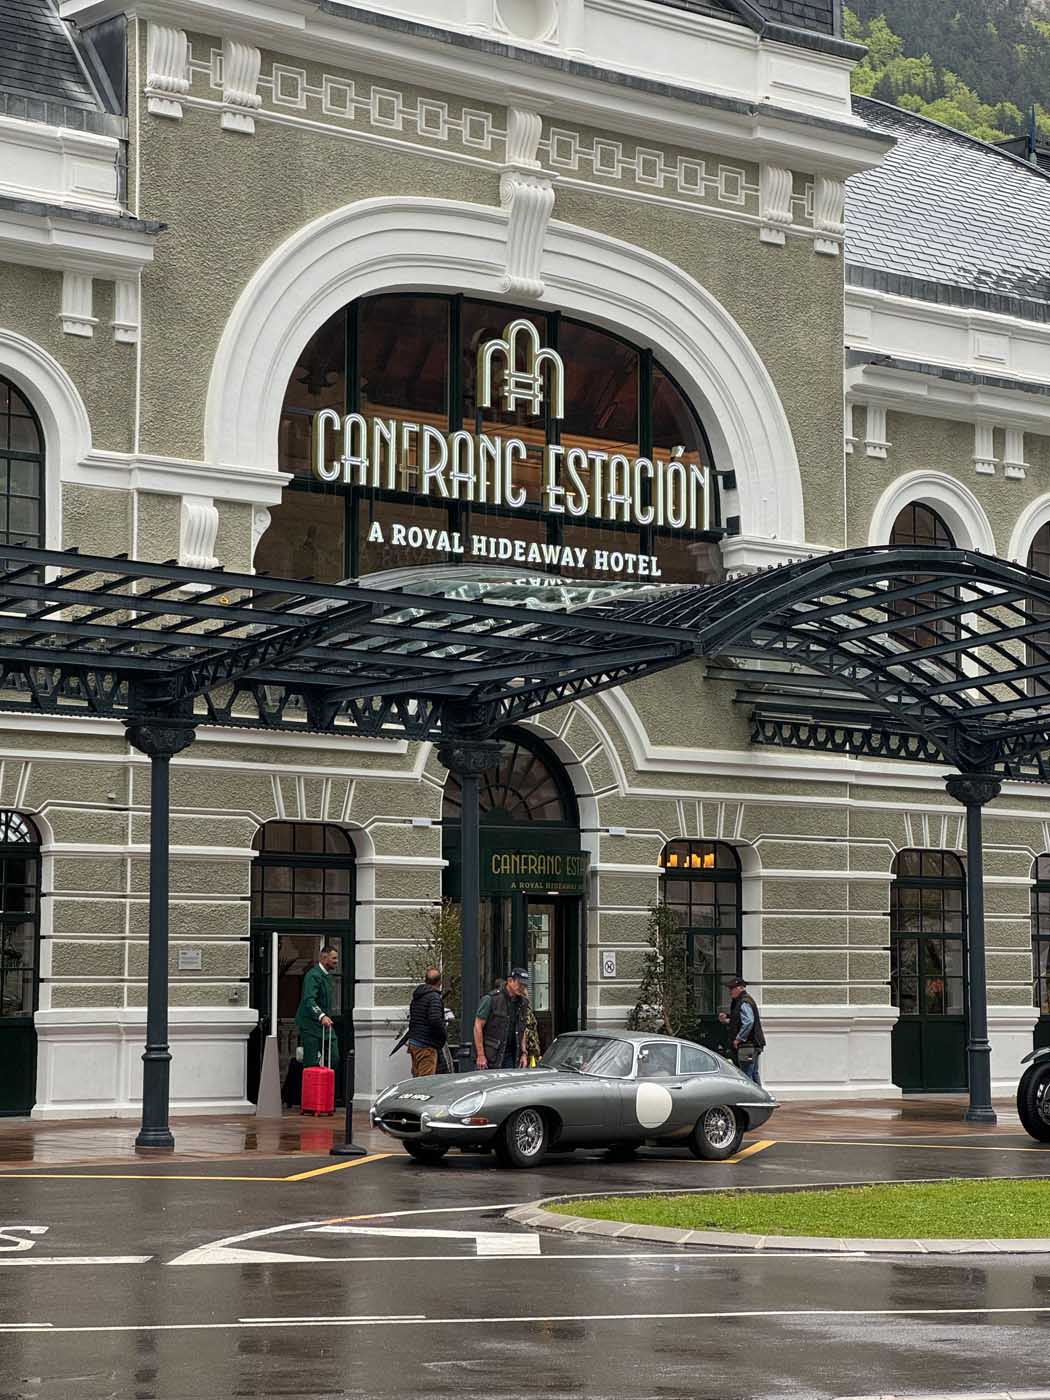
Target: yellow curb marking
x: 750, y: 1150
x: 337, y: 1167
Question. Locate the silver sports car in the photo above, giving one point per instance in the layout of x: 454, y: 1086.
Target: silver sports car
x: 611, y: 1089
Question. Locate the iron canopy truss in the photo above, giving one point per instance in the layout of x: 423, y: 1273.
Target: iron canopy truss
x: 898, y: 652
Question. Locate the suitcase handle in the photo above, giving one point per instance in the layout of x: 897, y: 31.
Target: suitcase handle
x: 326, y: 1046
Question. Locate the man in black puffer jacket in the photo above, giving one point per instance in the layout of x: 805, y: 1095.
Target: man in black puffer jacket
x: 426, y: 1024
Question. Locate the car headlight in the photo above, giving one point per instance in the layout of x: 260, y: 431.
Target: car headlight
x: 468, y: 1106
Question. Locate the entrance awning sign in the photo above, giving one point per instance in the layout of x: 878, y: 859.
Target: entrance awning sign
x: 533, y: 872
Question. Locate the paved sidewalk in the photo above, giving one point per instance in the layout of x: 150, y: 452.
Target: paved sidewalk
x: 25, y: 1143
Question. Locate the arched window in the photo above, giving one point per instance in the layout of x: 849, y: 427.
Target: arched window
x: 411, y: 360
x: 1041, y: 943
x: 21, y: 470
x: 303, y: 873
x: 701, y: 886
x: 1037, y: 650
x: 928, y: 970
x: 524, y: 787
x: 920, y: 526
x: 19, y: 903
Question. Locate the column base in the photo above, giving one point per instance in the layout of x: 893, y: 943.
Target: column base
x: 155, y: 1139
x: 981, y: 1115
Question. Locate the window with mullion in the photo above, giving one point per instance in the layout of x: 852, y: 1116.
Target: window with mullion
x: 1041, y: 934
x: 21, y: 470
x: 927, y: 934
x: 701, y: 886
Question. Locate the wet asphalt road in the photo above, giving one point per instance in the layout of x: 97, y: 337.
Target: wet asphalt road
x: 390, y: 1279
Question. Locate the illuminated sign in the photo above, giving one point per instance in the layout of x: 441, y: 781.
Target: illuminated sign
x: 578, y: 483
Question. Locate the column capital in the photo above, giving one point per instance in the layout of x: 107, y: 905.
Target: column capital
x: 159, y: 738
x: 469, y: 757
x: 974, y: 789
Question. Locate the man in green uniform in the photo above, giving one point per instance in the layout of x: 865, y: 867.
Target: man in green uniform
x: 315, y: 1010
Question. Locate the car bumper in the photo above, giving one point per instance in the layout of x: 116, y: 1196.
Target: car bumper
x: 758, y: 1113
x: 433, y: 1132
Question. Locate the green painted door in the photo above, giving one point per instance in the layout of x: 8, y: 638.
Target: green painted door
x: 928, y: 972
x: 1041, y: 949
x: 19, y: 903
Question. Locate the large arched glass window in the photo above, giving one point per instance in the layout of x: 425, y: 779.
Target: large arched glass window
x: 701, y: 886
x: 524, y: 787
x: 920, y: 526
x: 21, y: 470
x: 411, y: 359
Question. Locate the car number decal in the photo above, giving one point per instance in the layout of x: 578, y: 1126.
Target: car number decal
x: 653, y: 1105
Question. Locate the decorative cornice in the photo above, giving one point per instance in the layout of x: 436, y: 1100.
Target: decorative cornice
x: 174, y: 476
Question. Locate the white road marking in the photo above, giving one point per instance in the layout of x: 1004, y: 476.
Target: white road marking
x: 670, y: 1255
x: 37, y: 1263
x: 359, y: 1317
x: 518, y: 1320
x: 488, y: 1243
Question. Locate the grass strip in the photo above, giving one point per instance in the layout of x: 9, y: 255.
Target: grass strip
x: 957, y: 1209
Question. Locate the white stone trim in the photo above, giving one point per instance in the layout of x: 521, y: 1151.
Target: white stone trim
x: 167, y: 69
x: 984, y: 458
x: 240, y: 76
x: 777, y: 215
x: 742, y: 553
x: 89, y: 1061
x: 198, y: 527
x: 56, y: 165
x: 527, y: 194
x: 77, y: 297
x: 961, y: 510
x: 386, y: 244
x: 177, y: 476
x: 1028, y: 524
x: 62, y: 414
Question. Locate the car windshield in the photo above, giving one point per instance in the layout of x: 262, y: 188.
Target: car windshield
x: 588, y: 1054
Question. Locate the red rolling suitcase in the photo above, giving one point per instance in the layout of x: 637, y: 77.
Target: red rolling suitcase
x: 318, y: 1096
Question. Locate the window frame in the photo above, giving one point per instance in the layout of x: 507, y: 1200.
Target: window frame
x: 1040, y: 932
x: 942, y: 883
x: 27, y: 848
x: 727, y: 873
x: 9, y: 454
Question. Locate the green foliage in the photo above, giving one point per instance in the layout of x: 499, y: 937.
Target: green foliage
x: 939, y: 1210
x: 440, y: 944
x: 976, y: 65
x: 663, y: 993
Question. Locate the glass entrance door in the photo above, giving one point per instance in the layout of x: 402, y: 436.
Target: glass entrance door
x: 19, y: 906
x: 552, y: 955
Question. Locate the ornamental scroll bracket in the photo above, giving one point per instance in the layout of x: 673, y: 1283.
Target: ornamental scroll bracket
x: 829, y: 207
x: 777, y: 187
x: 167, y: 70
x: 527, y: 196
x: 240, y: 78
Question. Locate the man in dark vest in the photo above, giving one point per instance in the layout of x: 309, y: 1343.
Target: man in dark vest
x: 499, y: 1026
x: 746, y: 1037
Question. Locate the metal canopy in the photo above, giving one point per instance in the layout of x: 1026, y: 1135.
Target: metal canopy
x: 896, y: 652
x: 900, y: 652
x: 108, y: 637
x: 930, y: 654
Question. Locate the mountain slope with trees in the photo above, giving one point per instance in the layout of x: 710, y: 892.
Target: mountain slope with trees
x: 981, y: 66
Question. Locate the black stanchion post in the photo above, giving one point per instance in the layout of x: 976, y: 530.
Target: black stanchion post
x: 349, y: 1148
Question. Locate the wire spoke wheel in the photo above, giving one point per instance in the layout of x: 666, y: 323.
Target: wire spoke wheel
x: 523, y: 1139
x: 717, y: 1134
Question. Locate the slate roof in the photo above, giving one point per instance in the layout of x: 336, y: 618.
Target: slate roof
x: 41, y: 78
x: 818, y: 16
x: 950, y: 219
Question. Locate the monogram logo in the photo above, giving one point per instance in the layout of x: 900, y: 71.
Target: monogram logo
x: 523, y: 361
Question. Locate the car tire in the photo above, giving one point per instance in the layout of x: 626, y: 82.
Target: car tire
x: 1033, y: 1101
x: 717, y: 1134
x: 430, y: 1153
x: 522, y: 1141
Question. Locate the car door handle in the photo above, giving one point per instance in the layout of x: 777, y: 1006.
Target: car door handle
x: 678, y: 1086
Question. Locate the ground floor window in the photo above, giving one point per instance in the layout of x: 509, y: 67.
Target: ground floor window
x: 1041, y: 946
x: 701, y: 886
x: 302, y: 898
x: 19, y: 943
x: 928, y: 970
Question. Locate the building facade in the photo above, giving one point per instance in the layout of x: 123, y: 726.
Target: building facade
x: 256, y: 264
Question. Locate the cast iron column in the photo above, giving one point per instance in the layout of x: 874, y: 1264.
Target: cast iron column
x: 468, y: 759
x: 974, y: 790
x: 160, y: 740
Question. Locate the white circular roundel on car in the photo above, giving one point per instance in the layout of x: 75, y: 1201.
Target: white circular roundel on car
x: 652, y: 1105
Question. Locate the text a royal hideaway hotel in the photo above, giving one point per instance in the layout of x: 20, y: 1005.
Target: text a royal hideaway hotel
x: 544, y: 305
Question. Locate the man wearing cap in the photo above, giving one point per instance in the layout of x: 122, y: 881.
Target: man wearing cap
x: 499, y: 1026
x: 746, y: 1036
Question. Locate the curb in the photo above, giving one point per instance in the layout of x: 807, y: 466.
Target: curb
x: 537, y: 1218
